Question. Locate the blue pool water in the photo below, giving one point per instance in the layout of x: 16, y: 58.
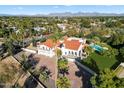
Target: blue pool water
x: 96, y: 47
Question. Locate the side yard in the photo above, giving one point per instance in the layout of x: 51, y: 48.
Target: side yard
x: 98, y: 62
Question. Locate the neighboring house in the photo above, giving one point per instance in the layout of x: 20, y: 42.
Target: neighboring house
x: 46, y: 48
x: 14, y: 29
x: 17, y: 31
x: 39, y: 28
x: 93, y: 24
x: 119, y: 71
x: 61, y: 26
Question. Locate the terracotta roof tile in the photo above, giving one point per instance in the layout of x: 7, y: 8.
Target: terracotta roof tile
x: 58, y: 43
x: 49, y: 43
x: 69, y: 44
x: 72, y: 44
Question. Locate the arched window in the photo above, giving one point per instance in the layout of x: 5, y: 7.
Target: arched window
x: 43, y: 48
x: 76, y: 53
x: 79, y: 53
x: 72, y: 53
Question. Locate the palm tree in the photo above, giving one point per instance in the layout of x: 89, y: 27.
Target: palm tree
x: 63, y: 67
x: 54, y: 38
x: 59, y: 53
x: 44, y: 73
x: 63, y: 82
x: 88, y: 50
x: 9, y: 46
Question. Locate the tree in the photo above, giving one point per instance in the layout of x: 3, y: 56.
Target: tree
x: 34, y: 41
x: 122, y: 52
x: 44, y: 73
x: 1, y: 33
x: 24, y: 62
x: 63, y: 67
x: 116, y: 39
x: 85, y: 23
x: 121, y: 83
x: 88, y: 50
x: 63, y: 82
x: 110, y: 24
x: 59, y: 53
x: 105, y: 79
x: 108, y: 51
x: 9, y: 46
x: 71, y: 32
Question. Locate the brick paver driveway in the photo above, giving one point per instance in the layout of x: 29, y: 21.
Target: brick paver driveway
x: 50, y: 63
x: 78, y: 76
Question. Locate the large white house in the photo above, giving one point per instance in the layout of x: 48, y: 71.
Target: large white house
x: 71, y: 48
x: 46, y: 48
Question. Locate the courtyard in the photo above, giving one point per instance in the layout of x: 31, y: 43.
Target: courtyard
x: 50, y: 63
x: 78, y: 76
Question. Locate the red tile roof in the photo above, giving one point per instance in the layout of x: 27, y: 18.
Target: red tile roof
x: 65, y: 37
x: 72, y: 44
x: 69, y: 44
x: 58, y: 43
x: 49, y: 43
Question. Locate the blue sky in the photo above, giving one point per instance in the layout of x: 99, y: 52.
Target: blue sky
x: 46, y: 9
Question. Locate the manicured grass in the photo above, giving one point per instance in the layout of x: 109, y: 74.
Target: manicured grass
x: 101, y: 62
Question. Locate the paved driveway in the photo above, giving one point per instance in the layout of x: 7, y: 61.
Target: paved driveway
x: 42, y: 61
x: 50, y: 63
x: 78, y: 76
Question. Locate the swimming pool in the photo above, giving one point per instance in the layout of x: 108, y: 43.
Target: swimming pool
x: 96, y: 47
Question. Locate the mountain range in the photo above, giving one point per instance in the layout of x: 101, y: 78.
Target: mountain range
x: 68, y: 14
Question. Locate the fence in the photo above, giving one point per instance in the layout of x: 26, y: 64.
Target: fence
x: 86, y: 68
x: 49, y: 83
x: 40, y: 84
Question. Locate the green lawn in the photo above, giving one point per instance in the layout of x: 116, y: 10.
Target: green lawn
x: 100, y: 62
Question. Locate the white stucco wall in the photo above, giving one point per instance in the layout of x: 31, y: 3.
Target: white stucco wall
x: 63, y: 49
x: 47, y: 51
x: 29, y: 50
